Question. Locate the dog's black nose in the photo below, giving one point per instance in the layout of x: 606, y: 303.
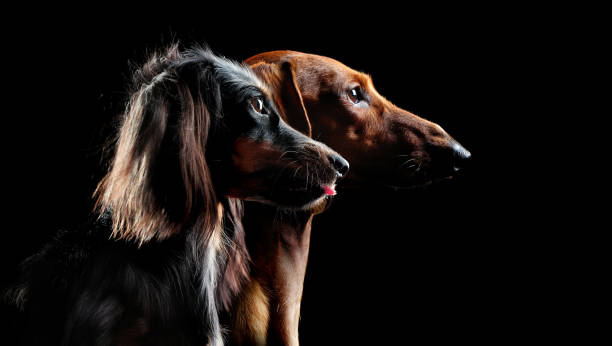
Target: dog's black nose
x: 340, y: 164
x: 461, y: 156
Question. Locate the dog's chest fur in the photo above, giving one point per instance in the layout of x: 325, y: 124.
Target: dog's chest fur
x: 83, y: 284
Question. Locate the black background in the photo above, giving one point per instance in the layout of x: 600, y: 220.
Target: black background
x: 454, y: 262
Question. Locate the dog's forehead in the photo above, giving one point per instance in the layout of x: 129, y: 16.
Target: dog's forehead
x: 323, y: 65
x: 239, y: 75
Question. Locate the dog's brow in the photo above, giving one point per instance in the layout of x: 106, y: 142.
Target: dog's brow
x: 363, y: 78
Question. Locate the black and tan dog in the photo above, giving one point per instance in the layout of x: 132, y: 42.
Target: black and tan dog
x: 199, y: 134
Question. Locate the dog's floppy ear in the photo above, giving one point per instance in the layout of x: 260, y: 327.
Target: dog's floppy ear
x: 159, y: 180
x: 287, y: 94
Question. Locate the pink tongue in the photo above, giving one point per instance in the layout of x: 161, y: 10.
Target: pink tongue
x: 329, y: 190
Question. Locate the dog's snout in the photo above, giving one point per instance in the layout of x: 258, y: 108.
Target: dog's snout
x: 340, y: 164
x: 461, y: 156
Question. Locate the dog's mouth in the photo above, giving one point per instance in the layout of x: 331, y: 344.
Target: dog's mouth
x: 292, y: 187
x: 302, y: 184
x: 419, y: 172
x: 327, y: 189
x: 417, y: 180
x: 407, y: 175
x: 301, y: 193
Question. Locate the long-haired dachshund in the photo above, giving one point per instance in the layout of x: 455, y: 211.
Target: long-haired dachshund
x: 167, y: 253
x: 386, y: 146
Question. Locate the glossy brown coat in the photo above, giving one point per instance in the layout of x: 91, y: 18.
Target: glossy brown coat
x: 384, y: 144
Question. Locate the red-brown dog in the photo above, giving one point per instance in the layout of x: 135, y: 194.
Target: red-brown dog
x: 384, y: 145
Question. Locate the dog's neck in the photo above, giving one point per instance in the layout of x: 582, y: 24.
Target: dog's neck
x: 268, y: 309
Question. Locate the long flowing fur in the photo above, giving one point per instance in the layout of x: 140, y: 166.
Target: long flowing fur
x: 159, y: 182
x: 158, y: 204
x: 159, y: 179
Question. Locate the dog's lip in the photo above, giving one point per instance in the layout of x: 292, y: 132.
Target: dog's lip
x: 328, y: 188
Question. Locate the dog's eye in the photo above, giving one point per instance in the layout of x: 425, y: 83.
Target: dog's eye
x: 258, y: 105
x: 355, y: 95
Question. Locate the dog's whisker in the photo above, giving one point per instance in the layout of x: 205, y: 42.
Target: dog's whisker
x: 296, y: 171
x: 288, y: 152
x: 406, y: 162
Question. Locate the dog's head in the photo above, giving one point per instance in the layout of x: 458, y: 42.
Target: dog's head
x: 340, y: 107
x: 199, y: 128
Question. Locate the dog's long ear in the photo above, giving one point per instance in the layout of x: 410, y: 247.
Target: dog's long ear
x: 159, y: 180
x: 287, y: 93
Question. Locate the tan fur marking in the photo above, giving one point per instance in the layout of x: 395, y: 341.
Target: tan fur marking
x: 252, y: 317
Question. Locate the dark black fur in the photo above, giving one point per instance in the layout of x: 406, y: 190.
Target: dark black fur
x: 84, y: 289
